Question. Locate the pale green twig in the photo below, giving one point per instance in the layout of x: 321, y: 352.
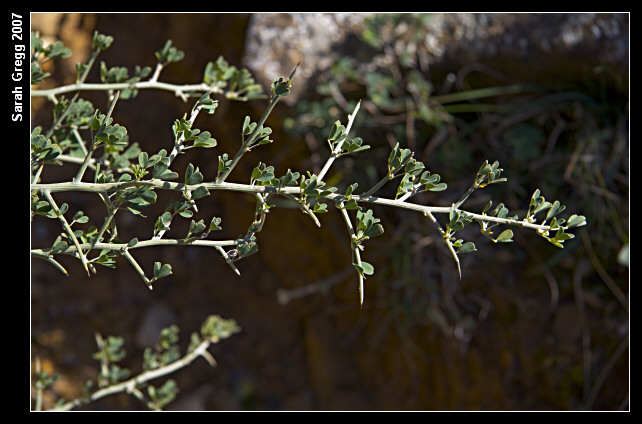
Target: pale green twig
x: 92, y: 147
x: 251, y: 189
x: 337, y: 150
x: 356, y: 256
x: 183, y: 91
x: 132, y: 384
x: 143, y: 243
x: 68, y: 230
x: 251, y: 139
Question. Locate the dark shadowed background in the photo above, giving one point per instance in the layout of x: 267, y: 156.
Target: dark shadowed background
x: 528, y: 326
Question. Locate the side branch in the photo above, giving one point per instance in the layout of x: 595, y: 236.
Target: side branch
x: 180, y: 90
x: 133, y: 383
x: 144, y: 243
x: 253, y: 189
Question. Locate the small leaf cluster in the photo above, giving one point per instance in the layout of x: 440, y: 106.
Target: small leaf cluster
x: 99, y: 43
x: 313, y: 189
x: 111, y: 351
x: 338, y: 139
x: 183, y: 132
x: 414, y: 178
x: 457, y: 221
x: 113, y: 136
x: 224, y: 164
x: 41, y: 55
x: 488, y: 174
x: 214, y: 328
x: 367, y: 227
x: 347, y: 201
x: 159, y: 397
x: 240, y: 84
x: 78, y: 113
x: 119, y: 74
x: 165, y: 351
x: 44, y: 379
x: 43, y: 150
x: 199, y: 227
x: 134, y: 198
x: 169, y: 54
x: 245, y: 248
x: 281, y: 86
x: 263, y: 175
x: 539, y: 204
x: 161, y: 165
x: 500, y: 211
x: 182, y: 207
x: 258, y: 134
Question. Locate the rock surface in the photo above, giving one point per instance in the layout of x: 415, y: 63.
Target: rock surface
x: 517, y: 44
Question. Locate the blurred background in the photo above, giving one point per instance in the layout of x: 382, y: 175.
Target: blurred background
x: 527, y: 327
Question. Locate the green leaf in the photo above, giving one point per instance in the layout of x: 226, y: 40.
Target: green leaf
x: 467, y: 247
x: 224, y: 163
x: 201, y: 191
x: 351, y: 204
x: 290, y: 178
x: 80, y: 217
x: 436, y: 187
x: 215, y: 224
x: 216, y: 327
x: 101, y: 41
x: 161, y: 271
x: 374, y: 231
x: 320, y: 208
x: 192, y: 175
x: 196, y: 227
x: 505, y: 237
x: 246, y: 248
x: 364, y: 268
x: 281, y: 86
x: 162, y: 172
x: 576, y: 221
x: 555, y: 209
x: 205, y: 140
x: 246, y: 130
x: 169, y: 54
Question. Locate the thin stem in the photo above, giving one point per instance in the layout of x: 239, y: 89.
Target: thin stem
x: 248, y: 143
x: 465, y: 196
x: 61, y: 117
x: 71, y: 250
x: 337, y: 149
x: 38, y: 172
x: 229, y: 261
x: 356, y: 256
x: 137, y: 267
x: 99, y: 236
x: 377, y: 186
x: 183, y: 91
x: 50, y: 260
x: 246, y: 188
x: 68, y: 230
x: 72, y: 88
x: 157, y: 71
x: 130, y: 385
x: 178, y: 144
x: 93, y: 146
x: 39, y: 390
x: 90, y: 63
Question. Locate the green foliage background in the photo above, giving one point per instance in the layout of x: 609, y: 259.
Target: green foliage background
x: 527, y: 327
